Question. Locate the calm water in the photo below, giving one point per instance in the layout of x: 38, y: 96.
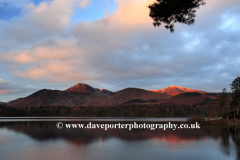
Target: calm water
x: 40, y: 139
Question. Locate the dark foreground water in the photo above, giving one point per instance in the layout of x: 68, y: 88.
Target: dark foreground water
x: 41, y: 139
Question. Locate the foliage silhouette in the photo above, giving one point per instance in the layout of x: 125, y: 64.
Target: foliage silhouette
x: 223, y: 104
x: 235, y: 87
x: 172, y: 11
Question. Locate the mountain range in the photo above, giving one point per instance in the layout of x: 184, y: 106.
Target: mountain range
x: 85, y: 95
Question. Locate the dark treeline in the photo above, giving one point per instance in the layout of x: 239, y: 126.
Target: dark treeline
x: 117, y: 111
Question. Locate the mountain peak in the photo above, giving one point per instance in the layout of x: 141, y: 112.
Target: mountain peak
x: 81, y: 87
x: 175, y: 90
x: 176, y: 86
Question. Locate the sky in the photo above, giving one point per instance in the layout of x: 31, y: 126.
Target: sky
x: 113, y: 44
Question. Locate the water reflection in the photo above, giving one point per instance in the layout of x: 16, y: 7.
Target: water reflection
x: 47, y: 130
x: 217, y: 142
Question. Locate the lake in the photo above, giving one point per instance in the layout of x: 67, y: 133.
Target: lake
x: 38, y: 139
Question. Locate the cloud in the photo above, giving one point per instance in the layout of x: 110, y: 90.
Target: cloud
x: 7, y: 87
x: 84, y: 3
x: 58, y: 49
x: 54, y: 15
x: 5, y: 91
x: 4, y: 82
x: 134, y: 13
x: 10, y: 90
x: 50, y: 71
x: 122, y: 49
x: 38, y: 22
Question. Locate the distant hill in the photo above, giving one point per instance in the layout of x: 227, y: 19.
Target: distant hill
x: 174, y: 90
x: 127, y: 95
x: 46, y: 97
x: 105, y: 91
x: 217, y: 94
x: 2, y: 103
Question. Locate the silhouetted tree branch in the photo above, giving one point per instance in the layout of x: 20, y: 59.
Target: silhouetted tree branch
x: 172, y: 11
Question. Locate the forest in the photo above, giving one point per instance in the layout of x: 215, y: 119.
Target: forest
x: 107, y: 111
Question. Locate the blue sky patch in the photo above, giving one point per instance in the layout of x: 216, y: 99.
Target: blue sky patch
x: 8, y: 12
x: 96, y: 10
x: 36, y: 2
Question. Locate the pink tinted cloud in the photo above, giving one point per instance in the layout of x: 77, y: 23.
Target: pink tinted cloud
x: 133, y: 12
x: 59, y: 51
x: 6, y: 91
x: 55, y: 71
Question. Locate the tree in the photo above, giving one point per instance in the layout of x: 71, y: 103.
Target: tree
x: 234, y: 105
x: 172, y: 11
x: 222, y: 104
x: 235, y: 88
